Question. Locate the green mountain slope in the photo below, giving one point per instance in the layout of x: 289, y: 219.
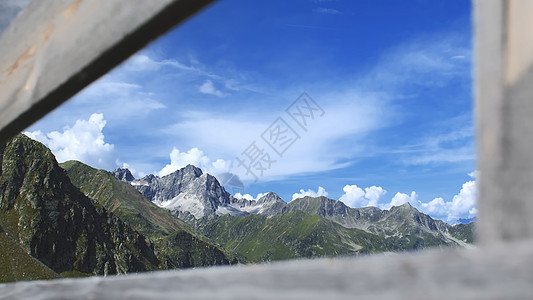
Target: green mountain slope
x: 16, y: 264
x: 57, y: 224
x: 404, y: 226
x: 464, y: 232
x: 290, y: 235
x: 312, y: 227
x: 177, y: 245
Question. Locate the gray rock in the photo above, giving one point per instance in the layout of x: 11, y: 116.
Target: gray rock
x: 397, y: 222
x: 186, y: 190
x: 123, y: 174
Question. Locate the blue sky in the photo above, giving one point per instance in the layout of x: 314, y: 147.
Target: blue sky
x: 393, y: 79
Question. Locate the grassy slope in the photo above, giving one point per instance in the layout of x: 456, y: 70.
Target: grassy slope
x: 291, y: 235
x: 464, y: 232
x: 16, y: 264
x: 123, y: 200
x: 181, y: 245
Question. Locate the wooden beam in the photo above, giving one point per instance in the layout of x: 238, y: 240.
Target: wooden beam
x: 55, y: 48
x: 499, y: 272
x: 504, y: 109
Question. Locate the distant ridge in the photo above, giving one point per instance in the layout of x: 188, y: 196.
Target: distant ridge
x: 199, y: 199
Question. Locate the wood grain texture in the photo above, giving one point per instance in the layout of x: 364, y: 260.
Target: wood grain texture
x: 55, y: 48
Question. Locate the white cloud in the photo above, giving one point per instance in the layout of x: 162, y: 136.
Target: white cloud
x: 426, y: 61
x: 374, y: 194
x: 120, y: 100
x: 144, y: 63
x: 462, y: 205
x: 329, y: 11
x: 127, y: 106
x: 354, y: 196
x: 106, y: 86
x: 196, y: 157
x: 446, y: 141
x: 84, y: 142
x: 331, y: 141
x: 474, y: 174
x: 401, y: 198
x: 436, y: 207
x: 209, y: 88
x: 141, y: 62
x: 248, y: 196
x: 320, y: 192
x: 453, y: 146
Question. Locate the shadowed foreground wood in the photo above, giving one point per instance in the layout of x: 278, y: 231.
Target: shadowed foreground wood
x: 488, y: 273
x: 55, y: 48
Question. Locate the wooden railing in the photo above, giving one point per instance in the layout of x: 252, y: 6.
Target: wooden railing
x: 55, y: 48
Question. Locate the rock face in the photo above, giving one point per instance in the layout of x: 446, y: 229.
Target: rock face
x: 56, y: 223
x: 397, y: 222
x: 190, y: 193
x: 176, y: 244
x: 187, y: 190
x: 123, y: 174
x: 361, y: 218
x: 268, y: 205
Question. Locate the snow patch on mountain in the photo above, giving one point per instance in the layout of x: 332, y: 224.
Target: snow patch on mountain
x: 183, y: 202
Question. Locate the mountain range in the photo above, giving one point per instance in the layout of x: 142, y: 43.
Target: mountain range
x: 199, y: 199
x: 71, y: 219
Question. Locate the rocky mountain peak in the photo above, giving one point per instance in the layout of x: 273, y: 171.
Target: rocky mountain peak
x: 405, y: 207
x: 187, y: 190
x: 123, y: 174
x: 270, y: 197
x: 189, y: 171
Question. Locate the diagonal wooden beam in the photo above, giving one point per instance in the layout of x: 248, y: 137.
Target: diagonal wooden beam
x: 55, y: 48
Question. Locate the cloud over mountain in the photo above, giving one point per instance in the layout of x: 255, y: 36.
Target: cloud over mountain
x: 84, y: 141
x: 320, y: 192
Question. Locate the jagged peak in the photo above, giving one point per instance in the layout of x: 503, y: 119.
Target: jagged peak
x: 123, y: 174
x: 270, y: 197
x: 188, y: 169
x: 406, y: 205
x: 149, y: 177
x: 191, y: 168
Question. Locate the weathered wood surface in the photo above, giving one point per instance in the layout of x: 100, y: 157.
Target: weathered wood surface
x: 55, y: 48
x: 504, y: 108
x: 499, y: 272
